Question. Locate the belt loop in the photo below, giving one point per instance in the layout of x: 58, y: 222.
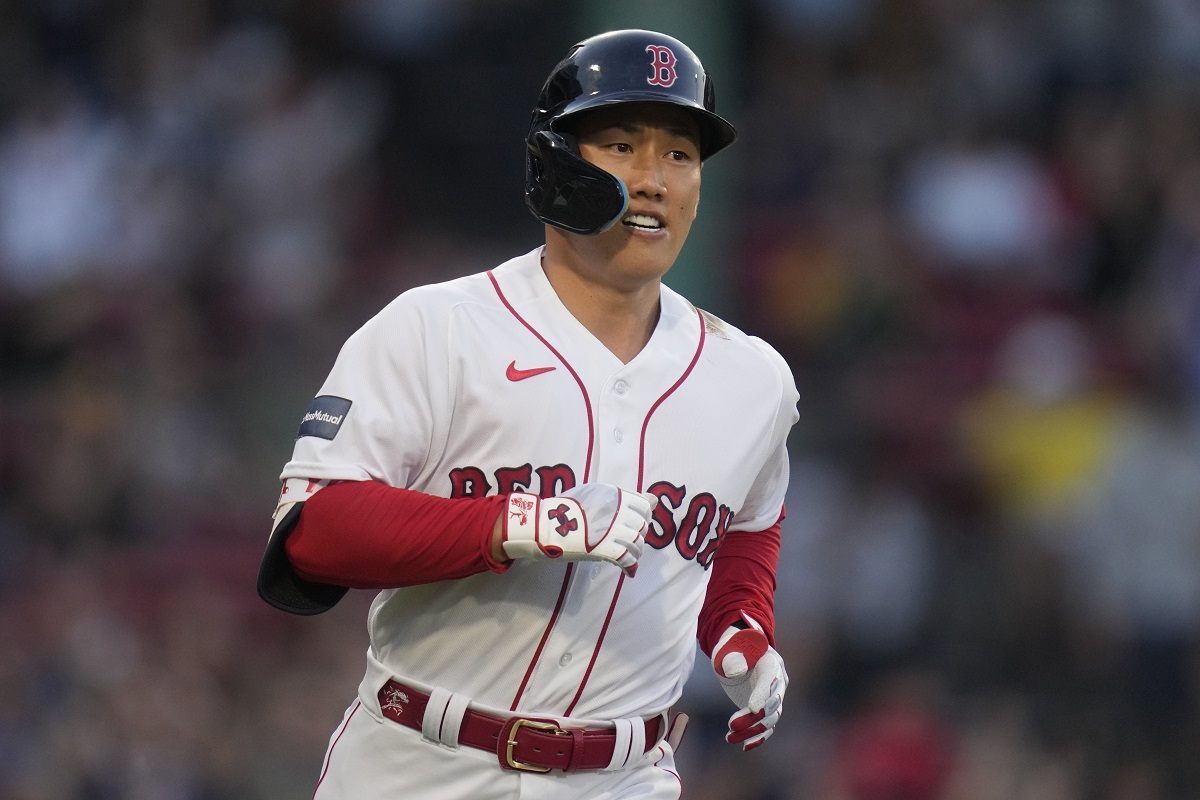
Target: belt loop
x: 443, y: 717
x: 435, y: 713
x: 456, y: 710
x: 630, y: 742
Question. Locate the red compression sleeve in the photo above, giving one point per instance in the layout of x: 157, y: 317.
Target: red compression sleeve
x: 368, y: 535
x: 743, y: 579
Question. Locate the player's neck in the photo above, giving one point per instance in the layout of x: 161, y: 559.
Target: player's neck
x: 622, y: 318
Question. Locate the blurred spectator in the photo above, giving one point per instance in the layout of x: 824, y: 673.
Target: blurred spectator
x: 58, y: 164
x: 1132, y: 576
x: 985, y: 208
x: 1042, y: 432
x: 895, y: 748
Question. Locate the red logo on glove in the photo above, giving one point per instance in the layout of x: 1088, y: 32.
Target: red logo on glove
x: 565, y: 523
x: 519, y: 507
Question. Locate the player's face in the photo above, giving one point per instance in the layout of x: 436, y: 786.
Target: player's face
x: 655, y: 150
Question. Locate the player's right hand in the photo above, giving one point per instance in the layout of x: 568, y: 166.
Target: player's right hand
x: 752, y: 673
x: 592, y: 522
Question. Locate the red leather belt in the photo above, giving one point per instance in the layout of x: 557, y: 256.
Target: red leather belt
x: 531, y: 744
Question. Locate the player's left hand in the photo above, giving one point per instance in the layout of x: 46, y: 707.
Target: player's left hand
x: 752, y: 674
x: 591, y: 522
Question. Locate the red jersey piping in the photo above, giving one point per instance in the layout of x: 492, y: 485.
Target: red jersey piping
x: 587, y: 469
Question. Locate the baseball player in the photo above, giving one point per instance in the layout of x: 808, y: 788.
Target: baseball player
x: 558, y: 473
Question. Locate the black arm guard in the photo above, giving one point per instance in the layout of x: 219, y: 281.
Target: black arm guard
x: 278, y: 583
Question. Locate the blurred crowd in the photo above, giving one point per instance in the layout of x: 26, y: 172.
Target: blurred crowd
x: 972, y: 227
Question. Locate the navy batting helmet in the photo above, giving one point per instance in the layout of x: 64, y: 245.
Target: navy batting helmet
x: 631, y: 66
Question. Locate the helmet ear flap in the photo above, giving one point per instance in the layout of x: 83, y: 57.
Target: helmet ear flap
x: 564, y: 190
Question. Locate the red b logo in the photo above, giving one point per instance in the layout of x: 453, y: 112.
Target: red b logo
x: 662, y: 66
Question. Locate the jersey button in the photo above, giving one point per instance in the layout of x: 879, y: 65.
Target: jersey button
x: 619, y: 435
x: 620, y: 387
x: 566, y: 659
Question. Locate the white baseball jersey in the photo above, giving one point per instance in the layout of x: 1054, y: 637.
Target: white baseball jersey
x: 488, y: 384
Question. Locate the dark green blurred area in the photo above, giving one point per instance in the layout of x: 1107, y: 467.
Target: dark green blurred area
x: 972, y: 227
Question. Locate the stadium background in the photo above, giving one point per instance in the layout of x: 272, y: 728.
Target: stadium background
x: 972, y: 226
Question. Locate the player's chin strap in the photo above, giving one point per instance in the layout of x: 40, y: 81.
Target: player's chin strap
x: 568, y: 192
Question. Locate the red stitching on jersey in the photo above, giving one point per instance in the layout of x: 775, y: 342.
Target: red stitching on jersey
x: 587, y: 401
x: 672, y: 772
x: 587, y: 470
x: 641, y: 467
x: 537, y: 654
x: 596, y: 651
x: 329, y: 755
x: 666, y: 394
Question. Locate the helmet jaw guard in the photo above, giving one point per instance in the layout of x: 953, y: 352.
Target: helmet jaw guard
x: 566, y: 191
x: 631, y: 66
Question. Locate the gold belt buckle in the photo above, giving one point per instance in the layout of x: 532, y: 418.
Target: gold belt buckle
x: 512, y: 742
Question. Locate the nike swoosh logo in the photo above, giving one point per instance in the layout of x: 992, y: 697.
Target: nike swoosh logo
x: 514, y: 374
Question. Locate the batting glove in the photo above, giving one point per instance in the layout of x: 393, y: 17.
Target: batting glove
x: 752, y: 674
x: 592, y: 522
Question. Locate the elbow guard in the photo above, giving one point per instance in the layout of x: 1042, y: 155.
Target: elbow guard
x: 278, y: 583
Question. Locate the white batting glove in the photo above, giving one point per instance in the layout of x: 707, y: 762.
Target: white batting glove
x: 592, y: 522
x: 752, y: 674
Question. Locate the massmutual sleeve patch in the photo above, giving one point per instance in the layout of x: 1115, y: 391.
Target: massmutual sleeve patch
x: 324, y: 417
